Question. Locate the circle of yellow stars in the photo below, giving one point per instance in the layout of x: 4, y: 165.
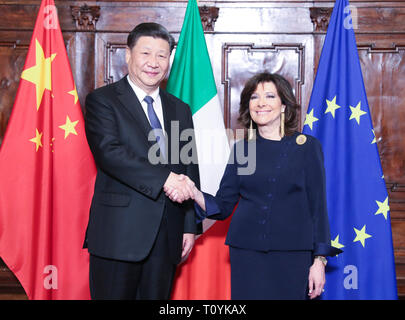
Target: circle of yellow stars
x: 383, y: 208
x: 361, y: 234
x: 332, y: 106
x: 41, y: 76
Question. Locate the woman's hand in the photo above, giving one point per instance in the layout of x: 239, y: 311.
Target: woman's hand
x: 316, y: 279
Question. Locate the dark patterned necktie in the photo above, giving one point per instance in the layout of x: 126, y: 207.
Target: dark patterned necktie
x: 155, y: 124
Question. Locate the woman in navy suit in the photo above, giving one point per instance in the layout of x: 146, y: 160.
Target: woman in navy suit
x: 279, y: 234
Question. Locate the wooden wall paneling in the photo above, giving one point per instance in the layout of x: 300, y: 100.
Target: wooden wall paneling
x: 398, y: 224
x: 264, y: 17
x: 82, y: 50
x: 110, y: 65
x: 12, y: 54
x: 10, y: 288
x: 384, y: 78
x: 397, y: 211
x: 243, y: 60
x: 18, y: 15
x: 383, y: 67
x: 245, y: 55
x: 123, y: 17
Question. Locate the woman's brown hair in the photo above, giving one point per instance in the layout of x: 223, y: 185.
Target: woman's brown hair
x: 285, y: 93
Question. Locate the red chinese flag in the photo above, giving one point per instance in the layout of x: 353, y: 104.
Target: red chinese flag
x: 46, y: 173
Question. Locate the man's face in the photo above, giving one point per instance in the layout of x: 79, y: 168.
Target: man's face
x: 148, y: 62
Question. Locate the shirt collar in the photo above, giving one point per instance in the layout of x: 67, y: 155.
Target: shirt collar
x: 142, y: 94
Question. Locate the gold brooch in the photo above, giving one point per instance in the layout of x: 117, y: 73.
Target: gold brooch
x: 301, y: 139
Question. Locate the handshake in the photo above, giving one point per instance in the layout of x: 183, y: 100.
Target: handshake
x: 179, y: 188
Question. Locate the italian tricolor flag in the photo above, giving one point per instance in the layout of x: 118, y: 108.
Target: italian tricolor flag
x: 206, y: 273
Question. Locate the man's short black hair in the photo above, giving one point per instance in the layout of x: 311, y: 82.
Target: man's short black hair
x: 150, y: 29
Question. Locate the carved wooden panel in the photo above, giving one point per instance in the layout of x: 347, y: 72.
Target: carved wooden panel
x: 209, y: 16
x: 10, y: 288
x: 383, y: 67
x: 384, y: 77
x: 110, y: 62
x: 85, y: 17
x: 12, y: 55
x: 242, y: 61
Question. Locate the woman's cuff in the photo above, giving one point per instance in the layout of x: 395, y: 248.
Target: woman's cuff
x: 324, y: 249
x: 211, y: 208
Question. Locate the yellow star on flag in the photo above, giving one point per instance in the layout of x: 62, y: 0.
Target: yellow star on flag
x: 335, y: 243
x: 41, y: 73
x: 74, y: 94
x: 357, y: 112
x: 310, y: 119
x: 383, y: 208
x: 37, y: 140
x: 332, y: 106
x: 69, y: 127
x: 361, y: 235
x: 374, y: 140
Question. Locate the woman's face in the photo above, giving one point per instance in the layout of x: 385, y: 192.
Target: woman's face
x: 265, y: 105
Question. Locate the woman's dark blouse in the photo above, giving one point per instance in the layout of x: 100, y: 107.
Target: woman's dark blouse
x: 282, y: 205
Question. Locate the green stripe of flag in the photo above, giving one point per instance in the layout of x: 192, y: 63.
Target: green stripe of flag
x: 191, y: 78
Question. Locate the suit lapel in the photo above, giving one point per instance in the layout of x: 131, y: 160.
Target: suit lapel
x: 169, y: 115
x: 130, y: 102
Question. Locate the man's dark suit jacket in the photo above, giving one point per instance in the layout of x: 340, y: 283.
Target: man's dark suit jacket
x: 129, y: 201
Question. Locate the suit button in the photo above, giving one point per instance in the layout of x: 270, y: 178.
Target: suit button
x: 263, y: 221
x: 265, y: 207
x: 269, y: 195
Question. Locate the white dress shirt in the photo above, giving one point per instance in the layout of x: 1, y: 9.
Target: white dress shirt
x: 157, y: 103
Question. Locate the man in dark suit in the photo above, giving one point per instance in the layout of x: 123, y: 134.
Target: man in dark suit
x: 136, y: 235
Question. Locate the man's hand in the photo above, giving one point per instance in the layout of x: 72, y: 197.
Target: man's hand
x: 188, y: 243
x: 179, y: 187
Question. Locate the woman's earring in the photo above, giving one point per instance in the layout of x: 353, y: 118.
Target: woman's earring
x: 250, y: 131
x: 282, y: 120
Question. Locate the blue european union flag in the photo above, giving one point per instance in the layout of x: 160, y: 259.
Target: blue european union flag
x: 359, y: 213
